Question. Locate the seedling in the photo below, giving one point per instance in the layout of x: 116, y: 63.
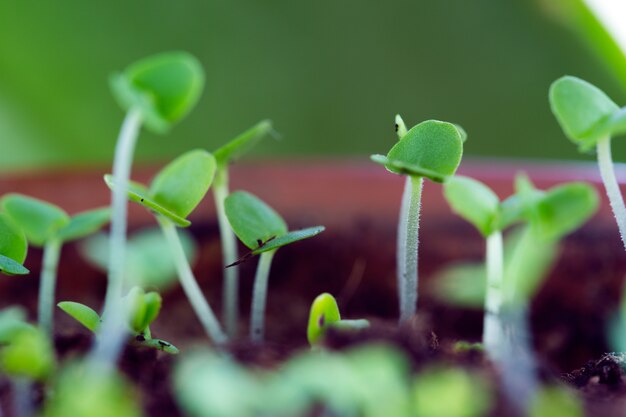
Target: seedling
x: 157, y: 91
x: 141, y: 310
x: 13, y: 247
x: 48, y: 226
x: 432, y: 150
x: 224, y: 156
x: 263, y: 231
x: 173, y: 194
x: 590, y: 118
x: 325, y: 314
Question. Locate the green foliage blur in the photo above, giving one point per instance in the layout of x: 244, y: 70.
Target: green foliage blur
x: 331, y: 74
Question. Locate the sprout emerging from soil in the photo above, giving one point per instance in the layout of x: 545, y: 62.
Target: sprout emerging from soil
x: 325, y: 314
x: 173, y: 194
x: 224, y: 156
x: 590, y: 118
x: 48, y: 226
x: 263, y: 231
x: 13, y: 247
x: 142, y: 309
x: 432, y: 150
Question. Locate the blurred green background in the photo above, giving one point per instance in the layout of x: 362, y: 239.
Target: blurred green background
x: 331, y: 74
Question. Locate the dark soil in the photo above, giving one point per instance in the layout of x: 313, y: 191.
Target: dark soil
x: 357, y: 264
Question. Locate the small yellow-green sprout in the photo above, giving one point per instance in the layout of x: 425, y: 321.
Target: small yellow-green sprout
x: 48, y: 226
x: 263, y: 231
x: 325, y: 314
x: 432, y: 150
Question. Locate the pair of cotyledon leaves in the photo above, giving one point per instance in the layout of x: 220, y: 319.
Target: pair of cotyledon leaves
x: 38, y: 222
x: 585, y: 112
x: 552, y: 213
x: 431, y: 149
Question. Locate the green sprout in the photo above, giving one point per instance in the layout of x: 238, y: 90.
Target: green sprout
x: 48, y: 226
x: 173, y: 194
x: 157, y: 91
x: 13, y: 247
x: 325, y: 314
x: 224, y: 156
x: 263, y: 231
x: 590, y: 118
x: 433, y: 150
x: 142, y: 309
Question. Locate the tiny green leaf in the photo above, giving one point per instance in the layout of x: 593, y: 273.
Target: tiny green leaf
x: 432, y: 149
x: 152, y: 301
x: 242, y: 143
x: 253, y: 221
x: 474, y: 201
x: 85, y: 223
x: 182, y: 184
x: 82, y: 314
x: 40, y: 221
x: 9, y: 267
x: 13, y: 242
x: 290, y: 237
x: 29, y: 354
x: 158, y: 344
x: 581, y: 109
x: 163, y: 87
x: 324, y: 311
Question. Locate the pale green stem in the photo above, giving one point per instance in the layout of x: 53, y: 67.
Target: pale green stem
x: 605, y: 161
x: 190, y: 285
x: 492, y: 326
x: 356, y: 324
x: 23, y: 402
x: 230, y: 295
x: 47, y: 284
x: 259, y: 296
x: 408, y: 237
x: 111, y: 339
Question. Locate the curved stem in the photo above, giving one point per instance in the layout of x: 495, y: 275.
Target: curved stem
x: 190, y: 285
x: 230, y: 295
x: 605, y: 161
x: 492, y: 326
x: 47, y: 284
x: 408, y: 238
x: 259, y: 296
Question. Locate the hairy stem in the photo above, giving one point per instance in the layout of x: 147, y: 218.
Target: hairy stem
x: 47, y: 284
x: 492, y: 326
x: 230, y: 295
x: 112, y: 336
x: 259, y: 296
x: 408, y: 236
x: 605, y: 161
x: 190, y: 285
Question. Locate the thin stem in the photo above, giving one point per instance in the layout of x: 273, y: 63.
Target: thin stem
x: 492, y: 326
x: 47, y: 284
x: 110, y: 341
x: 408, y: 237
x: 124, y: 151
x: 23, y: 403
x: 230, y: 296
x: 190, y: 285
x: 259, y: 296
x: 605, y: 161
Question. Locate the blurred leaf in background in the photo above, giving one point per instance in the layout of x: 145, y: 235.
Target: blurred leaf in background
x: 331, y: 74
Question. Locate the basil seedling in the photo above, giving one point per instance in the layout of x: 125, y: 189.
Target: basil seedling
x: 432, y: 150
x: 47, y: 225
x: 325, y: 314
x: 263, y: 231
x: 224, y: 156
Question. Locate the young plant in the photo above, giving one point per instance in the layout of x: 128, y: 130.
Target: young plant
x: 142, y: 309
x: 325, y: 314
x: 173, y: 194
x: 13, y: 247
x: 590, y: 118
x: 157, y: 92
x: 48, y: 226
x: 433, y: 150
x: 263, y: 231
x: 224, y: 156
